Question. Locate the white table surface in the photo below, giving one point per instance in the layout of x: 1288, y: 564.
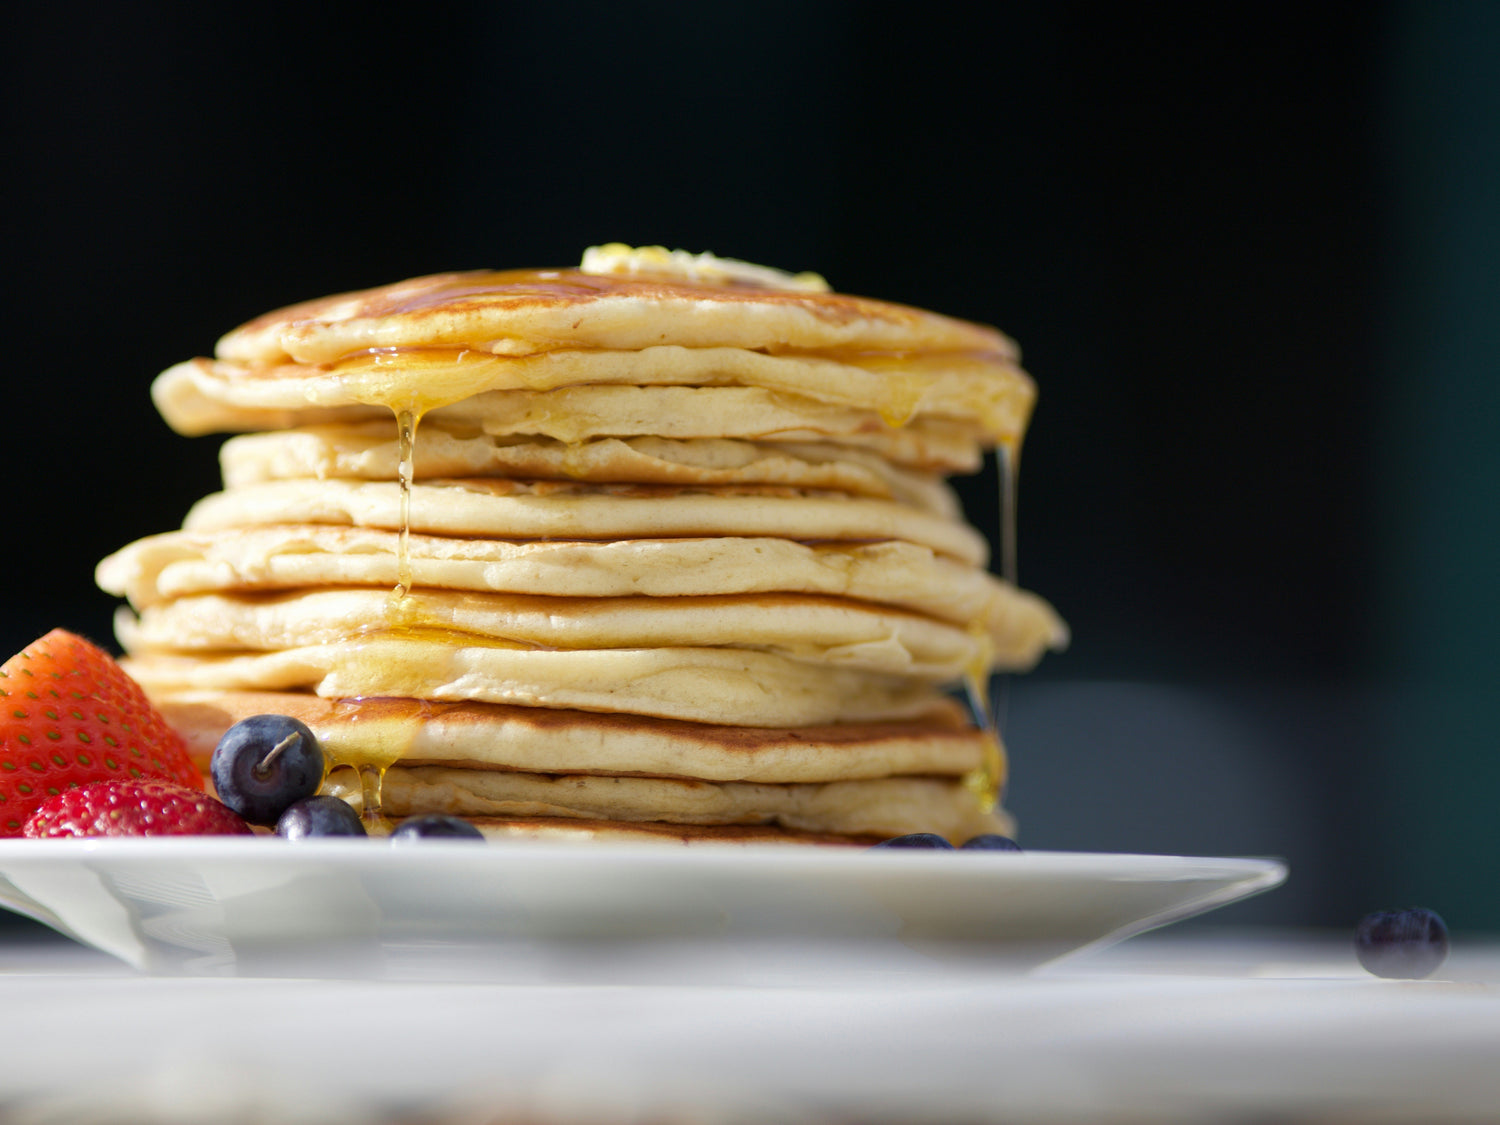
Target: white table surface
x: 1169, y: 1027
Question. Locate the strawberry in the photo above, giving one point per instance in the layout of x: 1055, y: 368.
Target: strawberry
x: 133, y: 808
x: 69, y: 715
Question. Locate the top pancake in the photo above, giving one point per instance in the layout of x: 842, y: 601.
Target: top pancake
x: 527, y: 312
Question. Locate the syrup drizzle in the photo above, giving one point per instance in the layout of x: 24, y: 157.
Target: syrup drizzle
x: 399, y: 608
x: 385, y: 377
x: 359, y: 785
x: 371, y: 778
x: 986, y: 782
x: 406, y: 439
x: 368, y: 767
x: 367, y: 736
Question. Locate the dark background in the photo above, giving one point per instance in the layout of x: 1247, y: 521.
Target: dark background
x: 1250, y: 252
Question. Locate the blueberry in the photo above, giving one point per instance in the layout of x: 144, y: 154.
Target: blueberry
x: 915, y: 840
x: 434, y: 826
x: 319, y: 816
x: 991, y: 842
x: 264, y: 764
x: 1401, y: 943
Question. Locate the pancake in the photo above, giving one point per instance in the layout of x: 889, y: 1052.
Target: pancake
x: 370, y: 451
x: 987, y: 388
x: 181, y: 564
x: 564, y: 830
x: 737, y: 687
x: 526, y: 312
x: 940, y: 743
x: 815, y: 630
x: 874, y: 807
x: 576, y: 414
x: 502, y: 509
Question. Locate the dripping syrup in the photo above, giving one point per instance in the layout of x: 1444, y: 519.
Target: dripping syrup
x: 406, y: 442
x: 383, y: 378
x: 365, y: 737
x: 989, y: 714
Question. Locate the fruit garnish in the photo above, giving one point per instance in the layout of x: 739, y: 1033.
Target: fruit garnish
x: 265, y: 764
x: 432, y: 826
x: 1402, y: 944
x: 990, y: 842
x: 70, y: 716
x: 915, y: 840
x: 133, y: 808
x: 319, y: 816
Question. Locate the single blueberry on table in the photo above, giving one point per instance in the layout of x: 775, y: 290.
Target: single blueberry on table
x: 915, y: 840
x: 990, y: 842
x: 319, y: 816
x: 1402, y: 944
x: 264, y: 764
x: 431, y: 826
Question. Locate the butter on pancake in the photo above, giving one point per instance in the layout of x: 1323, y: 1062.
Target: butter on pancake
x: 656, y: 548
x: 618, y: 259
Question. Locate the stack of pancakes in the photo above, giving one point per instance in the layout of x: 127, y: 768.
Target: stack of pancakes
x: 656, y: 548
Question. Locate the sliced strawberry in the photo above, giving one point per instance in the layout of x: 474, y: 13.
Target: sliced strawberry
x: 69, y: 715
x: 133, y: 808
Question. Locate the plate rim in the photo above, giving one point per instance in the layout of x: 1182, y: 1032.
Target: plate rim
x: 1233, y: 877
x: 110, y: 847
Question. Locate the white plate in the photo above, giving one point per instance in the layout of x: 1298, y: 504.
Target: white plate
x: 354, y: 908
